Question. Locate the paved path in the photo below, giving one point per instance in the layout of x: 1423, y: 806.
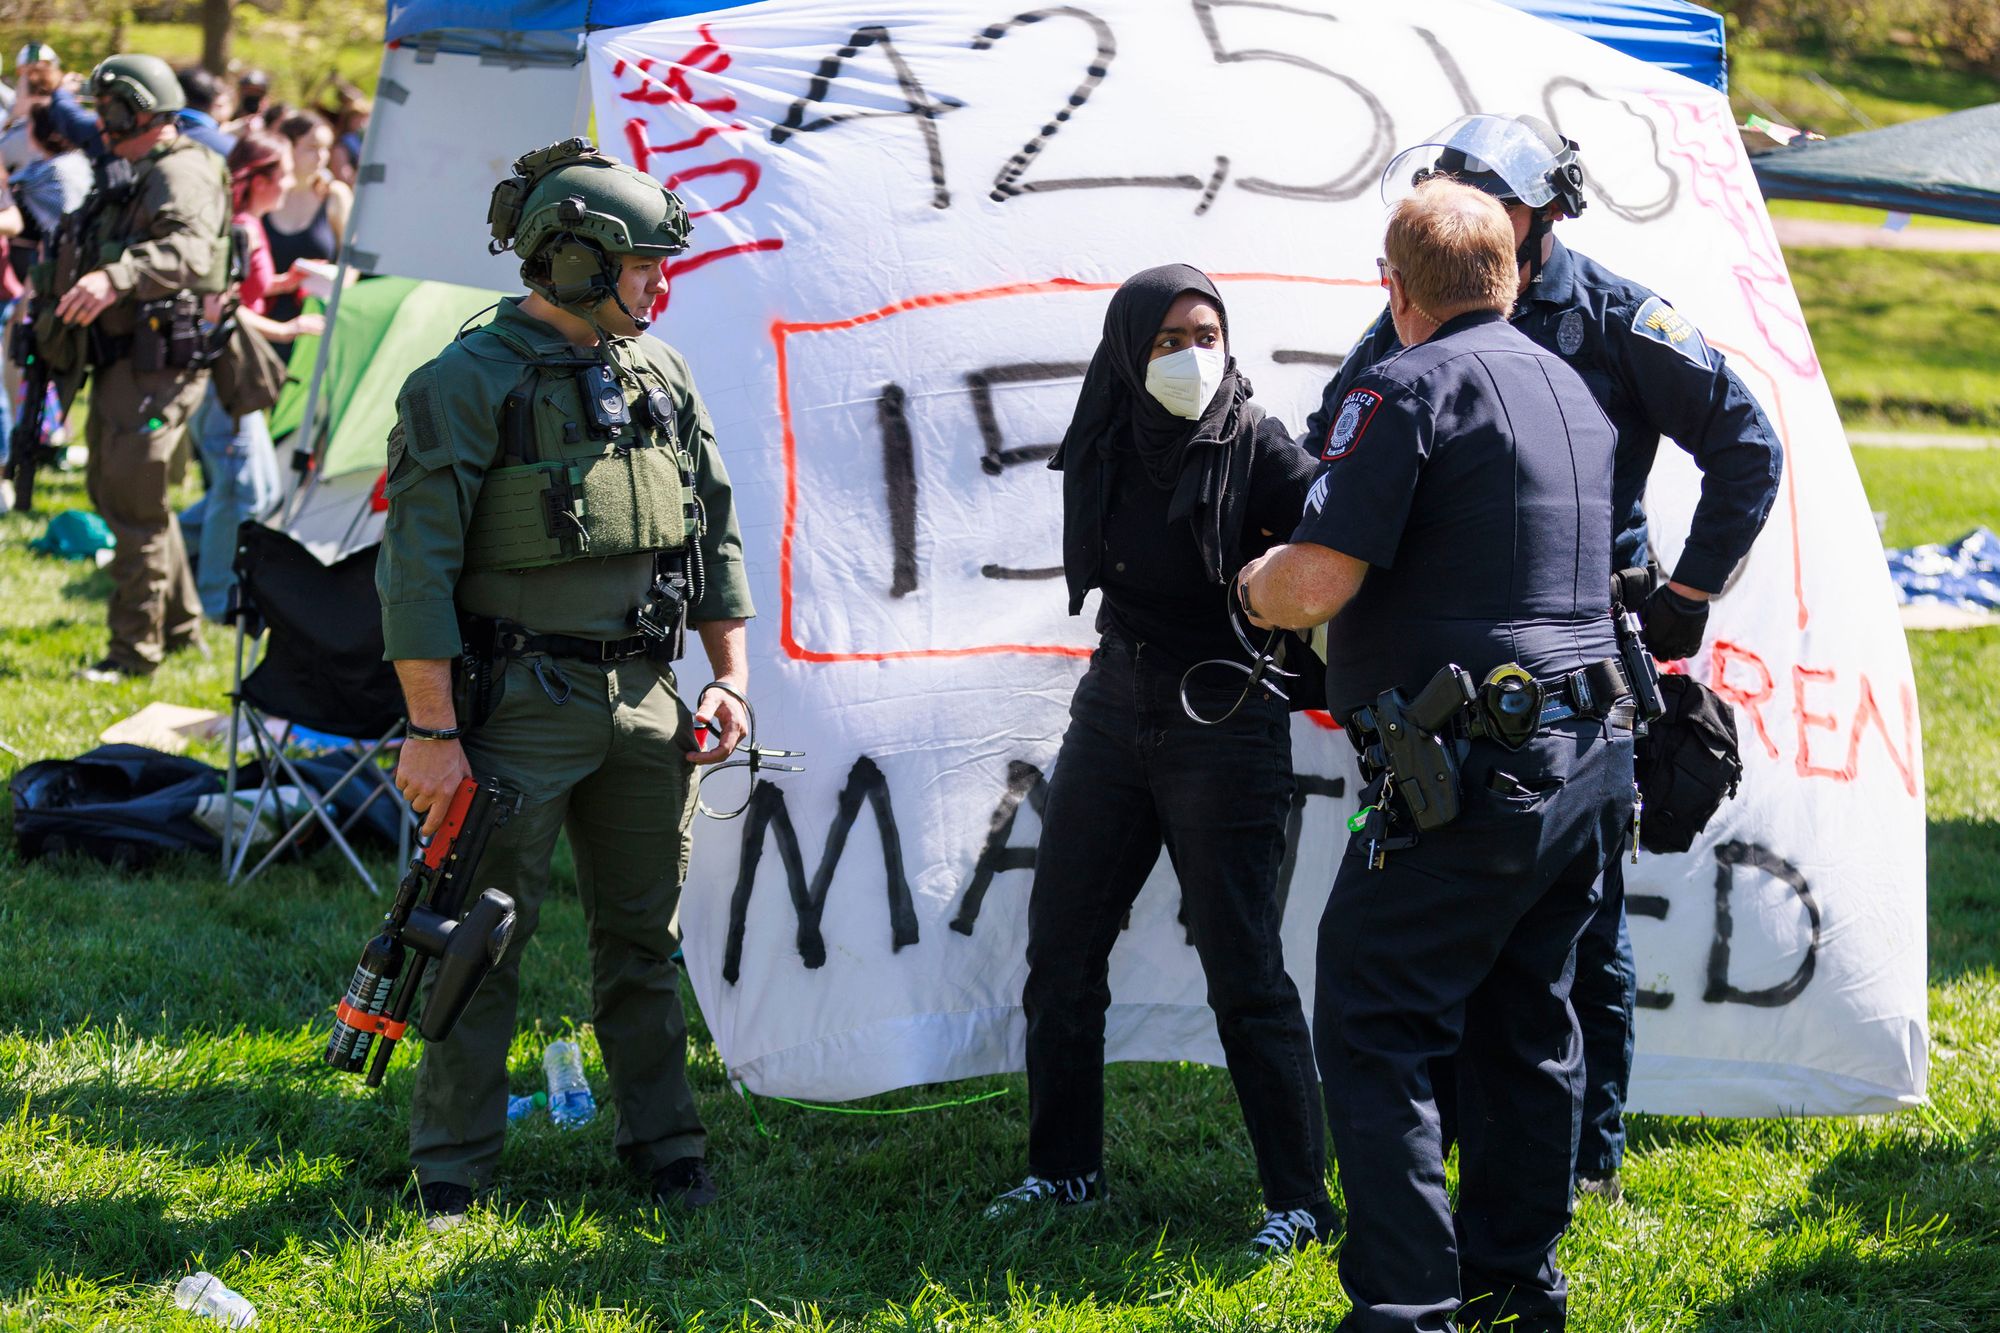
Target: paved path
x: 1805, y: 232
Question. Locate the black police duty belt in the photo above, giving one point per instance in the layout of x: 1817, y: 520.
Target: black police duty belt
x: 511, y: 640
x: 1415, y: 744
x: 1591, y: 691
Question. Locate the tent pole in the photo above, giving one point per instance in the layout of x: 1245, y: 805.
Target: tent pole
x: 320, y: 359
x: 325, y: 353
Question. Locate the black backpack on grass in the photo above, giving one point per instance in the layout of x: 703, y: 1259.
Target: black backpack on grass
x: 1686, y: 764
x: 124, y: 805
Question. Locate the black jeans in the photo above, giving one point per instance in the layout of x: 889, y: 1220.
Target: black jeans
x: 1134, y: 772
x: 1466, y: 944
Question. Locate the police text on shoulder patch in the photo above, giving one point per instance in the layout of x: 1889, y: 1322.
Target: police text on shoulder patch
x: 1356, y: 411
x: 1663, y: 324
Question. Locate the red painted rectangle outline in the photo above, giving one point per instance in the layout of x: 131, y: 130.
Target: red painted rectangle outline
x: 783, y: 330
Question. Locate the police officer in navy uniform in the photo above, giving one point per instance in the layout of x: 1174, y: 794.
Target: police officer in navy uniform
x: 1462, y: 518
x: 1651, y: 371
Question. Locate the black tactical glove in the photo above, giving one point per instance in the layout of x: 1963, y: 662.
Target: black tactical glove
x: 1672, y: 625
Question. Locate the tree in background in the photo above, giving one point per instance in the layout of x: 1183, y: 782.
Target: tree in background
x: 216, y: 16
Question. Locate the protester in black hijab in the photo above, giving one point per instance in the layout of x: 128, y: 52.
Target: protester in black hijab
x: 1172, y: 480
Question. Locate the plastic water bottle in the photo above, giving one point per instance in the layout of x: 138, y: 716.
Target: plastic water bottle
x: 205, y: 1296
x: 570, y: 1104
x: 520, y: 1108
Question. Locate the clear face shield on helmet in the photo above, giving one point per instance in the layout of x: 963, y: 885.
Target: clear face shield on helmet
x: 1484, y: 151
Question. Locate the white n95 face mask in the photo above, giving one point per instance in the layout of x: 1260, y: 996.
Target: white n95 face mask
x: 1185, y: 381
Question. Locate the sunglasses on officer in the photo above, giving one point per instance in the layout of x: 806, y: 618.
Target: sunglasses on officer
x: 1383, y: 268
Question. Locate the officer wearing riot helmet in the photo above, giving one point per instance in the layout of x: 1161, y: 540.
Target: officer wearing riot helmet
x: 1651, y: 371
x: 1459, y: 538
x: 559, y: 515
x: 128, y: 286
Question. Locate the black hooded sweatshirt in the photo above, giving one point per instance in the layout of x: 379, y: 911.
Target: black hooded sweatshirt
x: 1159, y: 511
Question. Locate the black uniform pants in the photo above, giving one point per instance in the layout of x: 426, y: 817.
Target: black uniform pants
x: 1466, y: 943
x: 1135, y: 772
x: 1605, y: 996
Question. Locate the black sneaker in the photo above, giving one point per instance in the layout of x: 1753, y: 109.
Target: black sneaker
x: 1064, y: 1191
x: 1289, y: 1231
x: 684, y: 1183
x: 443, y: 1204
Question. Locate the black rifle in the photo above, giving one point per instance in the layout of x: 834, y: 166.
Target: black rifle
x: 28, y: 448
x: 65, y: 262
x: 425, y: 920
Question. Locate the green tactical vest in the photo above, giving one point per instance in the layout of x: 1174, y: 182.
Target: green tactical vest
x: 117, y: 228
x: 566, y: 492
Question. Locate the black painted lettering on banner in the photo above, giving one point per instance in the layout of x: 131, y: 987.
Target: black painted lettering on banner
x: 865, y: 781
x: 1653, y: 906
x: 1721, y: 990
x: 899, y: 476
x: 1378, y: 138
x: 999, y: 855
x: 917, y: 102
x: 1631, y: 211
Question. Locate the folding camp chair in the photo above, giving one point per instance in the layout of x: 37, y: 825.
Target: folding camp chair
x: 321, y: 670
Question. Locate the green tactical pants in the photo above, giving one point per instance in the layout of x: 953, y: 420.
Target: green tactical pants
x: 138, y: 437
x: 605, y: 766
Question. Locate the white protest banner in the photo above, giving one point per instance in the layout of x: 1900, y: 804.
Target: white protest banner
x: 908, y: 217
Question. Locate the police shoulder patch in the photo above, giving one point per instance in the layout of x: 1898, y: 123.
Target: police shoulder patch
x: 1659, y: 321
x: 1356, y: 411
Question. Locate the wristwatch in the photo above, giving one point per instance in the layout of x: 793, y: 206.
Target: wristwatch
x: 415, y: 732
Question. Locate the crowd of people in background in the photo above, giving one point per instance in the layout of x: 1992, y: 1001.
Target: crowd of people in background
x: 292, y: 169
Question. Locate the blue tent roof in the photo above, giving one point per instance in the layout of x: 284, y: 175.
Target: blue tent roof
x: 1672, y: 34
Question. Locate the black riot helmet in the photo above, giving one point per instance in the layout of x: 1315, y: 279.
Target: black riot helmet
x: 1516, y: 159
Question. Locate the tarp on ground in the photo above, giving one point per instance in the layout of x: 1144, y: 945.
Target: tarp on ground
x: 1945, y: 166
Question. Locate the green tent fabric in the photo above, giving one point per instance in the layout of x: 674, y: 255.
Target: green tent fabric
x: 1947, y: 166
x: 385, y: 328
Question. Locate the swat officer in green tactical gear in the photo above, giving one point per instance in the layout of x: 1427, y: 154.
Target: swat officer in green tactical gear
x: 128, y: 287
x: 558, y: 515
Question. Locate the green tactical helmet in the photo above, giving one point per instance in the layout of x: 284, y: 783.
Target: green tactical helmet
x: 576, y: 207
x: 129, y: 86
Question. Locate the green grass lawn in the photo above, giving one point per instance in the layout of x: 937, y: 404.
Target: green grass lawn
x: 1887, y: 87
x: 166, y: 1111
x: 1865, y: 217
x: 1906, y: 338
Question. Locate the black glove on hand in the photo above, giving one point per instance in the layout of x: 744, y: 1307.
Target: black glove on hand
x: 1672, y: 625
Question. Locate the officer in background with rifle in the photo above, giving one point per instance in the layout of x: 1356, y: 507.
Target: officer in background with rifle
x: 1460, y: 531
x: 124, y: 305
x: 559, y: 515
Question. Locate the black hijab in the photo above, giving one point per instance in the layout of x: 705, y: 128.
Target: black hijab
x: 1205, y: 463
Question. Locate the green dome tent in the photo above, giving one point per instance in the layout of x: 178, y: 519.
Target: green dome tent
x: 386, y: 329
